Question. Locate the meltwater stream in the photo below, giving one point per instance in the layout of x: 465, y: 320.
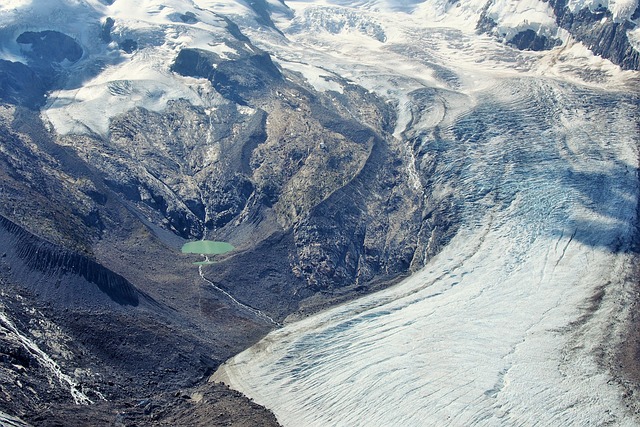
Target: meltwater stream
x: 506, y: 324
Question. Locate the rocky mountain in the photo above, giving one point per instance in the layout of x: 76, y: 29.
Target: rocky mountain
x: 606, y: 28
x: 127, y: 130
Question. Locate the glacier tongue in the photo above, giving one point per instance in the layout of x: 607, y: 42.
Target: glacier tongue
x: 500, y: 327
x: 509, y: 323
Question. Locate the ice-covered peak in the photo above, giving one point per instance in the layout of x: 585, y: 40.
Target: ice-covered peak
x: 407, y: 6
x: 535, y: 10
x: 84, y: 20
x: 508, y: 16
x: 512, y: 17
x: 620, y: 9
x: 623, y: 9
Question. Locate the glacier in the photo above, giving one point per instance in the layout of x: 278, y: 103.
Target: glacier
x: 517, y: 320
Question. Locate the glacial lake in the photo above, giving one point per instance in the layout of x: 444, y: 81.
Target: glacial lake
x: 206, y: 247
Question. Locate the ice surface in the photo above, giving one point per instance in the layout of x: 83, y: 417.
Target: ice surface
x: 504, y: 326
x: 512, y: 17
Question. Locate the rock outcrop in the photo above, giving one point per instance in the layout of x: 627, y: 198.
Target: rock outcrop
x: 600, y: 32
x: 598, y: 29
x: 57, y: 264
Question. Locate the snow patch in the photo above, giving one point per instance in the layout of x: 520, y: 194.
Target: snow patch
x: 320, y: 79
x: 513, y: 17
x: 620, y: 9
x: 90, y: 107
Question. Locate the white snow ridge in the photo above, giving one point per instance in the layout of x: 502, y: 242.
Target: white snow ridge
x: 506, y: 324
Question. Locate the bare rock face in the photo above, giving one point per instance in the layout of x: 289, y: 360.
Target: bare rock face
x: 27, y: 84
x: 46, y: 47
x: 20, y: 85
x: 30, y: 254
x: 597, y: 29
x: 246, y: 75
x: 73, y: 376
x: 600, y: 33
x: 332, y: 183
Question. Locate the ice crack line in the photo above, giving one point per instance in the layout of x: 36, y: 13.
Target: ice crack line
x: 564, y: 250
x: 78, y: 396
x: 255, y: 311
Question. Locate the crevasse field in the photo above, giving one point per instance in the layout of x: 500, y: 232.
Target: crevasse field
x: 517, y: 319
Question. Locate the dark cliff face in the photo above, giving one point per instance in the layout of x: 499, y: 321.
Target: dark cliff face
x: 20, y: 85
x: 529, y: 40
x: 57, y: 264
x: 524, y: 40
x: 600, y: 33
x: 26, y: 84
x: 237, y: 79
x: 48, y: 47
x: 135, y: 369
x: 597, y: 30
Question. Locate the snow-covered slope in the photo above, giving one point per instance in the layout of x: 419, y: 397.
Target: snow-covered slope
x: 128, y: 49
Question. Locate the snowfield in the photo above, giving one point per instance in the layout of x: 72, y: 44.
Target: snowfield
x: 110, y: 82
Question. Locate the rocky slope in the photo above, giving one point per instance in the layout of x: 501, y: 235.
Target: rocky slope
x: 92, y: 223
x: 609, y: 32
x: 76, y: 331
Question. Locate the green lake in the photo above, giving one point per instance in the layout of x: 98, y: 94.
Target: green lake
x: 207, y: 247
